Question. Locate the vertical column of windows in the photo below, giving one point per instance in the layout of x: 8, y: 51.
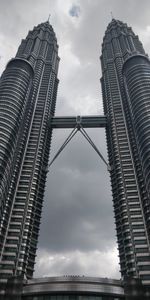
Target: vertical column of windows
x: 109, y: 51
x: 116, y: 46
x: 36, y: 46
x: 28, y: 168
x: 114, y: 161
x: 41, y: 163
x: 28, y: 47
x: 43, y: 49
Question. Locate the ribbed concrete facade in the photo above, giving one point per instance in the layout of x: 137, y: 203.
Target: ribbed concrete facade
x: 125, y: 86
x: 28, y: 89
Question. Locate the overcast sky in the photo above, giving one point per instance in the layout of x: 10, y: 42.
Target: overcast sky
x: 77, y: 235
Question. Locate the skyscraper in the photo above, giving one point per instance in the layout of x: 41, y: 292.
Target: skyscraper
x: 126, y: 97
x: 28, y: 89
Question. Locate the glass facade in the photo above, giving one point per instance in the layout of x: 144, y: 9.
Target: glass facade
x: 73, y: 288
x: 71, y: 297
x: 28, y: 89
x: 125, y: 85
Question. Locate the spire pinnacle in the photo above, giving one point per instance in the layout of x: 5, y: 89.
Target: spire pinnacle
x: 48, y: 18
x: 111, y: 15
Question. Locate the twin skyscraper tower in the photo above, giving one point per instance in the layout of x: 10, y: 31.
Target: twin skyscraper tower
x: 28, y: 90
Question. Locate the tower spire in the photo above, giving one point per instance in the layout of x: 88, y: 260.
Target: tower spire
x: 48, y: 17
x: 112, y: 17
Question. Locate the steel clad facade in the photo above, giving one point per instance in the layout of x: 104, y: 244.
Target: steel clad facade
x: 15, y: 86
x: 137, y: 78
x: 130, y: 195
x: 31, y: 99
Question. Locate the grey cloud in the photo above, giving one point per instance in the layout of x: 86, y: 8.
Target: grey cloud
x: 79, y: 263
x: 78, y: 204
